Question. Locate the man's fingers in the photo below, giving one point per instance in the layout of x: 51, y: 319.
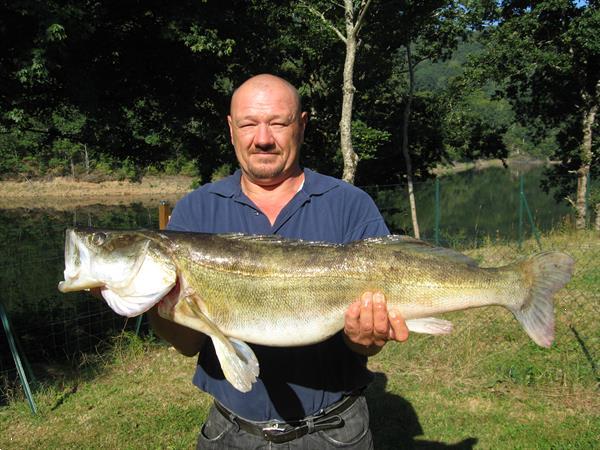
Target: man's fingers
x: 381, y: 325
x: 368, y: 321
x: 366, y: 314
x: 398, y: 329
x: 351, y: 323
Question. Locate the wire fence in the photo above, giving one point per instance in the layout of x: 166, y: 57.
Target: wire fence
x: 53, y: 329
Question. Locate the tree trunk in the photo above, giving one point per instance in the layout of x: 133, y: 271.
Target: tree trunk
x: 407, y: 160
x: 87, y: 159
x: 586, y: 158
x: 597, y: 223
x: 348, y: 153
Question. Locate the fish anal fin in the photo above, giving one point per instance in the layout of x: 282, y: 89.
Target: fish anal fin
x: 429, y: 325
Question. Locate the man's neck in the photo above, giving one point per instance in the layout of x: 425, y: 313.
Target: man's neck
x: 271, y: 198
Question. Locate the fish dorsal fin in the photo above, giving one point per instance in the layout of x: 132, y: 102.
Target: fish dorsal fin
x: 410, y: 244
x: 273, y: 239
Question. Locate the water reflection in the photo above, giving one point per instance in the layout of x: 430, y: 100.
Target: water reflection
x: 474, y: 205
x: 51, y: 326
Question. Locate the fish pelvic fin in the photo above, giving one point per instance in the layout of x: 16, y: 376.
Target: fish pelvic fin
x: 548, y: 272
x: 237, y: 360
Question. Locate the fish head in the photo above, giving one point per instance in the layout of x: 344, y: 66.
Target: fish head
x: 132, y: 271
x: 97, y: 258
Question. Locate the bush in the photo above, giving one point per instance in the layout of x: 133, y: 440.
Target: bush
x: 31, y: 167
x: 221, y: 172
x: 189, y: 168
x: 128, y: 171
x: 181, y: 166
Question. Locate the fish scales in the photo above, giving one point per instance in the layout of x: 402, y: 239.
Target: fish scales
x: 266, y: 281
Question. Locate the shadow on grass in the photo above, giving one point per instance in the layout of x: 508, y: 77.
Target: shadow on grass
x: 394, y: 422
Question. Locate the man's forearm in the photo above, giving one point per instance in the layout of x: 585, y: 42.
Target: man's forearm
x: 185, y: 340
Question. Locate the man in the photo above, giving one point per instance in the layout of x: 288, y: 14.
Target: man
x: 309, y: 397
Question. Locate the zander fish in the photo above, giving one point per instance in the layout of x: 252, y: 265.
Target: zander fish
x: 278, y: 292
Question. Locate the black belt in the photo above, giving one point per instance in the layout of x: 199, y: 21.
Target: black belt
x: 279, y: 432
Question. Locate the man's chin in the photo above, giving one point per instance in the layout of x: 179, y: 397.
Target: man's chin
x: 265, y: 173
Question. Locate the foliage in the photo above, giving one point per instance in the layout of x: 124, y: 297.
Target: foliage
x: 545, y: 57
x: 474, y: 128
x: 147, y: 84
x: 221, y: 172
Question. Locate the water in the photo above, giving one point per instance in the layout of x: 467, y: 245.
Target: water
x: 53, y: 327
x: 474, y: 205
x: 49, y: 325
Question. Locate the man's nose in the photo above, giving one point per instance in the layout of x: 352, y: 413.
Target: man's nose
x: 264, y: 136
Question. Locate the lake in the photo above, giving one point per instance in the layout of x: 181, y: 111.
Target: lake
x: 474, y: 205
x: 56, y: 327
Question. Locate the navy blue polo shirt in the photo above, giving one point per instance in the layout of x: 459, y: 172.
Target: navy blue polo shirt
x: 298, y: 381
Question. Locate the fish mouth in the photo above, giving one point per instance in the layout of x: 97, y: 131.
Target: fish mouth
x: 77, y: 256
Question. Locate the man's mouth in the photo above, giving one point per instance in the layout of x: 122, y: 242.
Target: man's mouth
x: 266, y: 152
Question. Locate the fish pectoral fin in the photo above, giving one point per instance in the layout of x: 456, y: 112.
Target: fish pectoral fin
x: 238, y: 362
x: 429, y: 325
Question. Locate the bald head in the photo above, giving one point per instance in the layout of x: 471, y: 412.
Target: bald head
x: 267, y: 129
x: 267, y: 83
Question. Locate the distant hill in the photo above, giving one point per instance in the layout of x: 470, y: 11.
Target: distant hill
x: 434, y: 76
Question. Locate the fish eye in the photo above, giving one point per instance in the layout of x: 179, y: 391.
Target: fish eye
x: 98, y: 238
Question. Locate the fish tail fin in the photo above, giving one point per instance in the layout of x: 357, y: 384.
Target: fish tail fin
x: 548, y: 272
x: 238, y: 362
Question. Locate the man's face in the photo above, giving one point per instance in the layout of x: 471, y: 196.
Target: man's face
x: 267, y: 131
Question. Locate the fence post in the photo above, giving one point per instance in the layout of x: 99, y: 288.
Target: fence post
x: 588, y: 216
x: 17, y: 359
x: 521, y: 198
x: 164, y: 212
x: 525, y: 205
x: 437, y: 211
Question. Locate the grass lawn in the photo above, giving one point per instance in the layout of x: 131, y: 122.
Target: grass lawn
x: 485, y: 386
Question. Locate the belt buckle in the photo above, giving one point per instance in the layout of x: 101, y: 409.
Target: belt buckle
x: 273, y: 427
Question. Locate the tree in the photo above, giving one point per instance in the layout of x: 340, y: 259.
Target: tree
x: 354, y: 17
x: 426, y: 31
x: 545, y: 55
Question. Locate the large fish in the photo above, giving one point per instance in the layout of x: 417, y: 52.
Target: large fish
x: 277, y: 292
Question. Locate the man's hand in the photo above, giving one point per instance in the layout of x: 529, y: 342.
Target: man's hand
x: 369, y: 325
x: 166, y: 306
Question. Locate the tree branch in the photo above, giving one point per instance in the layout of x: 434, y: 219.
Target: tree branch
x: 361, y: 16
x: 327, y: 23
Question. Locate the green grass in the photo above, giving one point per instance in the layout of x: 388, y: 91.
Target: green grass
x: 486, y: 385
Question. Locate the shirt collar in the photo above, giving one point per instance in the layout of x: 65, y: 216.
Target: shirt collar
x: 313, y: 184
x: 228, y: 186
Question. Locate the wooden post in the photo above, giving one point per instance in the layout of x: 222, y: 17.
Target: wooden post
x: 164, y: 213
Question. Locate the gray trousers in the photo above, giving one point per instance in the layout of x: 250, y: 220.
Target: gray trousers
x: 219, y: 433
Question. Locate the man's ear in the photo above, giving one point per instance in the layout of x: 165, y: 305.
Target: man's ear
x: 230, y: 123
x: 304, y: 122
